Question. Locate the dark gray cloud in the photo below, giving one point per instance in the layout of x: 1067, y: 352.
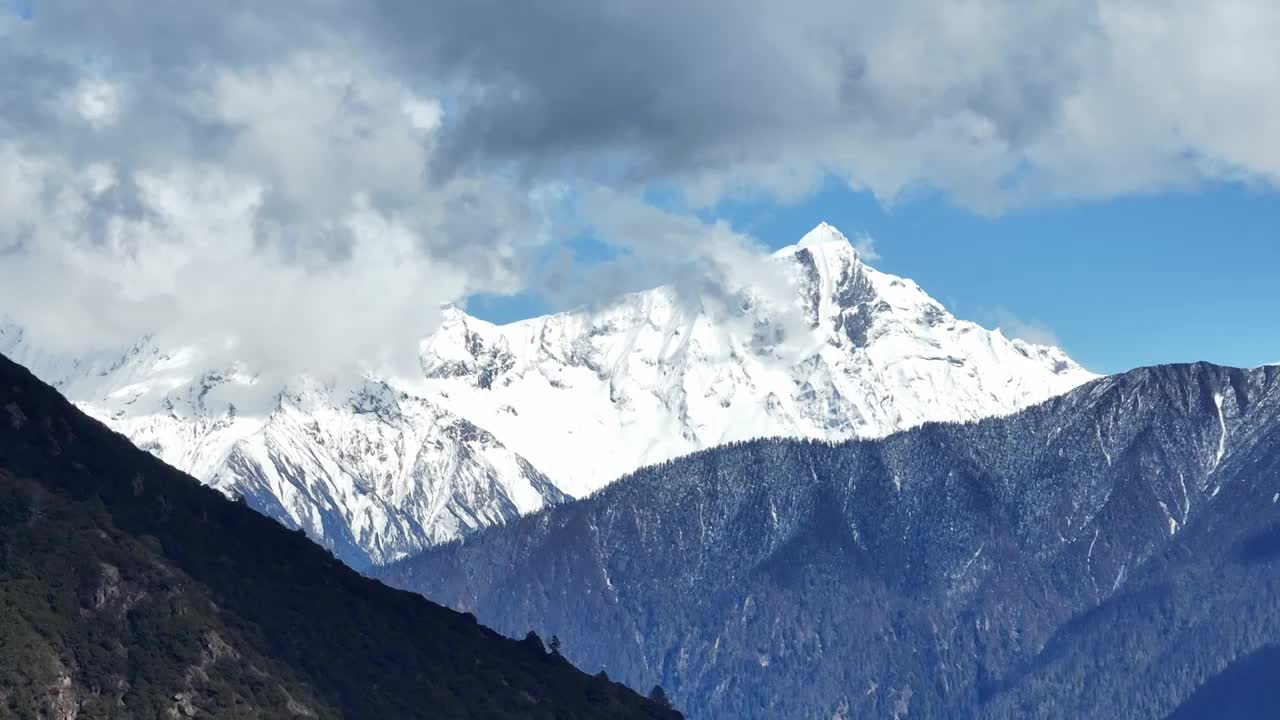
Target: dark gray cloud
x: 993, y: 102
x: 971, y: 98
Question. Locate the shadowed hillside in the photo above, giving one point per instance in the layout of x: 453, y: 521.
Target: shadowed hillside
x: 128, y: 590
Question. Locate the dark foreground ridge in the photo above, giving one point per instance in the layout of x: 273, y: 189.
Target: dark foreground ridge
x: 128, y: 590
x: 1114, y: 553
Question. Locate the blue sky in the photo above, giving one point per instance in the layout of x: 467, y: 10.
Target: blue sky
x: 1120, y: 283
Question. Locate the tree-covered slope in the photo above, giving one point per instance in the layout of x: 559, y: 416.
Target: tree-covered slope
x: 1103, y: 554
x: 128, y: 590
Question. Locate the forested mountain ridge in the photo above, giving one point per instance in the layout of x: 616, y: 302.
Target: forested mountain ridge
x: 1105, y: 553
x: 128, y: 590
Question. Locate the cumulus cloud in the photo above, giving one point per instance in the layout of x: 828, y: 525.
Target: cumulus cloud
x: 270, y: 203
x: 993, y: 102
x: 308, y: 180
x: 990, y: 101
x: 190, y: 265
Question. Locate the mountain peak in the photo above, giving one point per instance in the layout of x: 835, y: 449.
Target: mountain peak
x: 824, y: 236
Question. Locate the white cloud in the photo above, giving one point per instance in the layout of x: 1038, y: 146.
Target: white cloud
x: 866, y: 247
x: 425, y: 115
x: 280, y: 212
x: 318, y: 131
x: 1012, y: 325
x: 191, y: 266
x: 97, y: 102
x: 713, y: 269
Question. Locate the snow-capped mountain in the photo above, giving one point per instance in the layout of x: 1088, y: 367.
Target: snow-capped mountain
x: 368, y: 470
x: 589, y: 395
x: 507, y: 419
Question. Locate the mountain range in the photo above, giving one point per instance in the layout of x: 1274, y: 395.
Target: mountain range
x: 506, y: 420
x: 1111, y: 552
x: 129, y: 590
x: 817, y: 495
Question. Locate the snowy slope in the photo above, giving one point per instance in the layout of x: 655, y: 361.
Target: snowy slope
x: 588, y: 396
x: 507, y: 419
x: 365, y: 469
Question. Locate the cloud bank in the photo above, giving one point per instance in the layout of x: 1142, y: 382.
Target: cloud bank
x: 307, y: 181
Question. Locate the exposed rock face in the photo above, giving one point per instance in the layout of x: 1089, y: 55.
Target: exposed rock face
x: 63, y: 702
